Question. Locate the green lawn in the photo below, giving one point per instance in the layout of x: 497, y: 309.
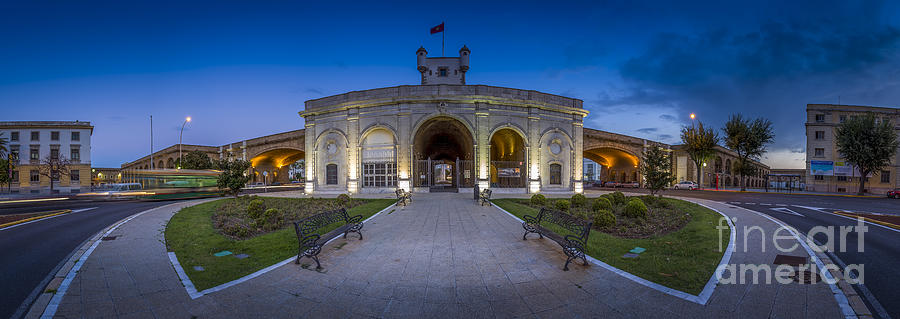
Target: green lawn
x: 682, y: 260
x: 191, y: 235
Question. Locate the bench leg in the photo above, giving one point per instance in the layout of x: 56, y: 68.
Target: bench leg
x: 318, y: 265
x: 566, y: 266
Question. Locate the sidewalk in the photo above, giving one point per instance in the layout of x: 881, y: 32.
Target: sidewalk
x: 442, y: 256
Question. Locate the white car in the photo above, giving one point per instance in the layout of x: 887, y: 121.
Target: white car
x: 689, y: 185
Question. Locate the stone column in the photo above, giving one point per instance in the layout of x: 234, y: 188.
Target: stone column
x: 534, y: 150
x: 404, y: 147
x: 353, y: 150
x: 309, y: 135
x: 577, y: 159
x: 482, y: 144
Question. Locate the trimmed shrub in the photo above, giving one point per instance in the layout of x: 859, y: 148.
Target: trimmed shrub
x: 617, y: 198
x: 538, y: 200
x: 271, y: 219
x: 578, y: 200
x: 654, y: 201
x: 343, y: 199
x: 601, y: 203
x: 562, y: 205
x: 604, y: 218
x: 636, y: 209
x: 256, y: 208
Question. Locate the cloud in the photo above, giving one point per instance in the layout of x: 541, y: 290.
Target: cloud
x: 648, y: 130
x: 668, y: 117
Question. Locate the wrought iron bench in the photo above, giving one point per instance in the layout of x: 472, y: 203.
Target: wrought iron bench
x: 403, y: 197
x: 311, y: 242
x: 486, y: 197
x: 573, y: 245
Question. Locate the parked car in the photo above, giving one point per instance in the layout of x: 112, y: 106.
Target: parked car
x: 275, y: 184
x: 611, y: 184
x: 895, y: 193
x: 689, y: 185
x: 258, y: 184
x: 630, y: 185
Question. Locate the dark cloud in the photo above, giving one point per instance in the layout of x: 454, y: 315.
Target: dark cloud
x: 314, y: 91
x: 648, y: 130
x: 665, y: 137
x: 771, y: 70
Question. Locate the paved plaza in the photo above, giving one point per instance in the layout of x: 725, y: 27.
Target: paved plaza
x: 443, y: 256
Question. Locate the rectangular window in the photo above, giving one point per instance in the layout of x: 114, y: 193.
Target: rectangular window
x: 842, y: 178
x: 75, y: 154
x: 843, y: 118
x: 35, y: 136
x: 54, y: 136
x: 820, y: 152
x: 820, y: 177
x: 35, y: 154
x: 15, y: 177
x: 14, y: 153
x: 885, y: 176
x: 35, y: 176
x: 442, y: 72
x: 14, y: 136
x: 555, y: 174
x: 820, y: 135
x: 331, y: 172
x: 383, y: 174
x: 74, y: 176
x: 820, y: 118
x: 76, y: 136
x: 54, y: 153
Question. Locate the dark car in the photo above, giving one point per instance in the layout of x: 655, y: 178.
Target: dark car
x: 895, y: 193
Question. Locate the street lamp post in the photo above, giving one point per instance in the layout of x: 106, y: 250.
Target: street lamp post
x: 180, y: 159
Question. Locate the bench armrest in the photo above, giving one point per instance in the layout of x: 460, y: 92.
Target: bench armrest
x: 575, y: 242
x: 309, y: 240
x: 355, y: 219
x: 530, y: 219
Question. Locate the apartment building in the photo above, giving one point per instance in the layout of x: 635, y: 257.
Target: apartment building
x: 32, y: 142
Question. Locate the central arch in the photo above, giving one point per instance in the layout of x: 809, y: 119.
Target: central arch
x: 507, y: 159
x: 274, y: 165
x: 443, y: 154
x: 616, y: 165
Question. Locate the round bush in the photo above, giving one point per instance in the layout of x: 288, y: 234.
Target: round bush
x: 578, y: 200
x: 562, y: 205
x: 538, y: 200
x: 636, y: 209
x: 343, y: 199
x: 272, y: 219
x: 601, y: 203
x: 617, y: 198
x: 256, y: 208
x: 604, y: 218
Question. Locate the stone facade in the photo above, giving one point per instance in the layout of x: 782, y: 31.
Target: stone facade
x: 31, y: 142
x: 719, y: 171
x: 821, y: 121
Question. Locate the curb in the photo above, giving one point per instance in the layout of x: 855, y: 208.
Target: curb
x: 783, y: 193
x: 64, y: 211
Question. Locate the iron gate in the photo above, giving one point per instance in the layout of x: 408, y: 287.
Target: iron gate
x: 444, y: 173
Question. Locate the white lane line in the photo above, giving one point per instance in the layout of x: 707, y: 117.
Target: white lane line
x: 787, y: 211
x: 750, y: 203
x: 782, y: 205
x: 51, y: 217
x: 822, y: 210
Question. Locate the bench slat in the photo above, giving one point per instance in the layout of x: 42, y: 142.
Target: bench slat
x: 573, y: 245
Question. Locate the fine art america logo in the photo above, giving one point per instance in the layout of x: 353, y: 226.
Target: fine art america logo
x: 794, y: 266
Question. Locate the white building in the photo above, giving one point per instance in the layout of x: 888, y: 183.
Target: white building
x: 31, y: 142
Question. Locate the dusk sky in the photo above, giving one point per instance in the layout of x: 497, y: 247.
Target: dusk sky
x: 243, y: 69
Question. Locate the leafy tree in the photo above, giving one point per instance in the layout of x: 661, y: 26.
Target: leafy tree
x: 54, y: 168
x: 5, y: 177
x: 195, y: 160
x: 655, y: 168
x: 233, y: 176
x: 866, y: 143
x: 700, y: 144
x: 748, y: 139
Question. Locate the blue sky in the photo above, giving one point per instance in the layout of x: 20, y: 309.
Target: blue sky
x: 243, y: 69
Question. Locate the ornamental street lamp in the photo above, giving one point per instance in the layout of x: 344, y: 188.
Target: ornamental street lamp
x: 180, y: 159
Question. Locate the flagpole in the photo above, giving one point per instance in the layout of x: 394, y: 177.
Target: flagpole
x: 444, y: 31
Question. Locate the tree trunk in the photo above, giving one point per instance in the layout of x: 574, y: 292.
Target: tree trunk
x: 862, y: 183
x: 699, y: 178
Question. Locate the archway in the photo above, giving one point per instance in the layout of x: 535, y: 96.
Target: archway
x: 617, y: 165
x: 507, y: 159
x: 443, y: 154
x: 274, y: 165
x: 170, y: 163
x: 379, y: 163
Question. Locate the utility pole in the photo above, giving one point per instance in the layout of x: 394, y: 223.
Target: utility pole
x: 151, y: 141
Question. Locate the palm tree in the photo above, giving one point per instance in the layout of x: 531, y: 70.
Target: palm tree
x: 3, y: 144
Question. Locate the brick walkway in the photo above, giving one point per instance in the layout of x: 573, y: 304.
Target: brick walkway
x: 442, y: 256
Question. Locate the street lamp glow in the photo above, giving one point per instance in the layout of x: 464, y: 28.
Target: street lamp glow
x: 692, y: 116
x: 189, y: 118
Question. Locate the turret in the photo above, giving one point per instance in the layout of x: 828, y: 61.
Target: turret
x: 421, y: 55
x: 464, y: 59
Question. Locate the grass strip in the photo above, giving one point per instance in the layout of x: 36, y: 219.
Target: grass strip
x: 191, y: 235
x: 684, y: 259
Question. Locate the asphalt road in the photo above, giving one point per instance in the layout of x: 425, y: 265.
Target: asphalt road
x: 880, y: 256
x: 31, y: 252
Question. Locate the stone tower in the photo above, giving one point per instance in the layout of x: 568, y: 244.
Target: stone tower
x: 443, y: 70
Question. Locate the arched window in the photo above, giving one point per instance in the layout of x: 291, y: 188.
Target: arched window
x: 555, y: 174
x: 331, y: 174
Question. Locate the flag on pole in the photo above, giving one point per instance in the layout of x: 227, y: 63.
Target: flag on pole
x: 438, y: 28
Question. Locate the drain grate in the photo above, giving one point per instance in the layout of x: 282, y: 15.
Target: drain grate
x: 790, y: 260
x: 108, y: 238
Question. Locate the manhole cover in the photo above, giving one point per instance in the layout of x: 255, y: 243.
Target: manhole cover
x: 108, y: 238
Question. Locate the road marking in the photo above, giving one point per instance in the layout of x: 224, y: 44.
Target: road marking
x: 783, y: 205
x: 33, y: 200
x: 822, y: 210
x: 46, y: 218
x: 750, y: 203
x: 765, y: 204
x: 786, y: 211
